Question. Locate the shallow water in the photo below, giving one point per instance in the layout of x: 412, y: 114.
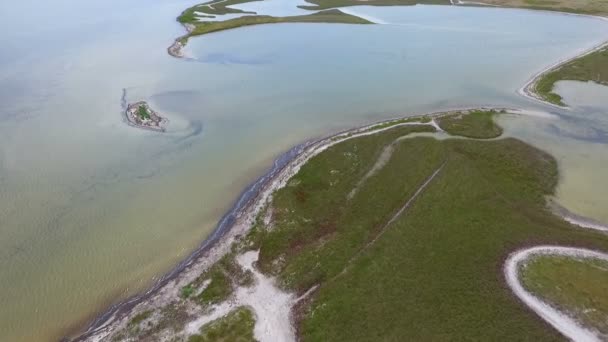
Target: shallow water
x: 578, y: 138
x: 93, y: 210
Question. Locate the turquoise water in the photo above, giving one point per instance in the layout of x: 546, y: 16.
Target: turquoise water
x: 91, y: 210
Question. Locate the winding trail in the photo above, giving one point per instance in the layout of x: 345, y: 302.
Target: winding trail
x: 563, y: 323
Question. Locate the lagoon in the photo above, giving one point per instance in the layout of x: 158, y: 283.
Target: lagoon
x: 92, y: 210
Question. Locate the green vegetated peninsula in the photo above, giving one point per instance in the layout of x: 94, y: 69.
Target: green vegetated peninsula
x: 574, y: 285
x: 386, y: 233
x: 590, y: 67
x: 325, y: 4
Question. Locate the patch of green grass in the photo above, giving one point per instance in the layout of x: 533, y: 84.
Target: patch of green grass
x: 142, y: 112
x: 576, y: 286
x: 397, y: 122
x: 329, y: 16
x: 593, y: 7
x: 187, y: 291
x: 237, y: 326
x: 222, y: 276
x: 592, y: 67
x: 478, y: 124
x: 435, y: 273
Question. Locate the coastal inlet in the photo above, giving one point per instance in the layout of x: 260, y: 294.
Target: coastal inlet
x: 139, y: 114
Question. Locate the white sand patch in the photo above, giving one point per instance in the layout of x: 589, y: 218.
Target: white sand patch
x: 563, y: 323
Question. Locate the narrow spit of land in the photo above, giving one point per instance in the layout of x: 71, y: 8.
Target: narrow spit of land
x: 567, y: 287
x: 592, y: 66
x: 197, y: 27
x: 409, y: 272
x: 597, y: 7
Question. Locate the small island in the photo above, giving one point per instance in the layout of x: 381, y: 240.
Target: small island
x: 139, y: 114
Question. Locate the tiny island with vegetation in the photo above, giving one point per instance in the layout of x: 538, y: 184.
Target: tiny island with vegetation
x: 139, y: 114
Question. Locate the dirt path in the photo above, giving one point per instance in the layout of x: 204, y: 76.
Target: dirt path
x: 393, y: 219
x: 271, y: 305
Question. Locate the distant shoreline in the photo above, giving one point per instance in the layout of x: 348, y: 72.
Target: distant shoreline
x: 529, y: 88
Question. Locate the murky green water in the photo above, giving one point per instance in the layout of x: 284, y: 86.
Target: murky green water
x: 92, y: 210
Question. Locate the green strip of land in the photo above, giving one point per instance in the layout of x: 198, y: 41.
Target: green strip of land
x: 575, y: 286
x: 591, y: 67
x: 211, y: 9
x: 329, y: 16
x: 431, y: 273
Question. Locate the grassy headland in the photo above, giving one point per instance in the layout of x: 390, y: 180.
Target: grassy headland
x: 576, y: 286
x: 211, y: 9
x: 591, y: 67
x: 198, y: 28
x: 417, y: 251
x: 478, y: 124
